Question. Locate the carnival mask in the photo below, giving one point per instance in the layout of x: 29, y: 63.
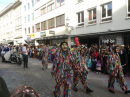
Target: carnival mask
x: 64, y: 46
x: 117, y: 49
x: 82, y: 51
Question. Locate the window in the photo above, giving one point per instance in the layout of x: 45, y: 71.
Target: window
x: 29, y: 30
x: 51, y: 23
x: 32, y: 3
x: 60, y: 3
x: 43, y: 11
x: 79, y: 0
x: 38, y: 27
x: 24, y: 8
x: 24, y: 19
x: 28, y: 6
x: 128, y: 8
x: 80, y: 17
x: 32, y: 29
x: 25, y: 31
x: 106, y: 12
x: 49, y: 8
x: 60, y: 20
x: 28, y: 18
x: 32, y: 16
x: 57, y: 3
x: 43, y: 25
x: 53, y: 6
x: 92, y: 16
x: 37, y: 1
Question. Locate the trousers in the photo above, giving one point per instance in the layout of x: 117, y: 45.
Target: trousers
x: 83, y: 79
x: 120, y: 79
x: 66, y: 83
x: 25, y: 60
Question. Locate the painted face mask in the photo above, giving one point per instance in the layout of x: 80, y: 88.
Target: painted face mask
x: 117, y: 49
x: 82, y: 51
x: 64, y: 47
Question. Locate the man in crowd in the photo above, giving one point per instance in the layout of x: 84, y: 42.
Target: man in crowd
x: 123, y: 59
x: 25, y: 56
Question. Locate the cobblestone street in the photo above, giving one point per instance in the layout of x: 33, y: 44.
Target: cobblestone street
x: 43, y: 83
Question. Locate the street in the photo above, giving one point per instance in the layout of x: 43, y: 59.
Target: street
x: 42, y: 81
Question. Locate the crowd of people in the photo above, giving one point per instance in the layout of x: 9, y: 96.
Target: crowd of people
x: 76, y: 62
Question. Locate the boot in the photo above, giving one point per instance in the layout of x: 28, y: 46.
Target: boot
x: 111, y: 91
x: 88, y: 90
x: 54, y: 92
x: 128, y: 91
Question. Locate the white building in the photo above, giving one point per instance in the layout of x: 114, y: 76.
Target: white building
x: 53, y: 21
x: 18, y: 38
x: 50, y: 21
x: 6, y: 25
x: 95, y: 21
x: 28, y: 18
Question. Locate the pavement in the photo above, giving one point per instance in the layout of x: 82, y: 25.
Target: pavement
x: 42, y: 81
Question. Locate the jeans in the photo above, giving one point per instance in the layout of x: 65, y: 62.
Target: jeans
x: 25, y: 60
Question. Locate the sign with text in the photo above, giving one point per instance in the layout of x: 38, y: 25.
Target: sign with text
x: 108, y: 41
x: 43, y: 33
x: 51, y: 32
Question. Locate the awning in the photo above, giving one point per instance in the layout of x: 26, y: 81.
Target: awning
x: 101, y: 33
x: 52, y: 37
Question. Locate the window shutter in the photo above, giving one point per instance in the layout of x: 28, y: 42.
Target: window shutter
x: 62, y: 20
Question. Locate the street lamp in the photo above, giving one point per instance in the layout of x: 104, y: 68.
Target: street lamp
x: 67, y: 24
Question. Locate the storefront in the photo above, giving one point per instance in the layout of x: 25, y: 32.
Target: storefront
x: 126, y: 38
x: 110, y: 40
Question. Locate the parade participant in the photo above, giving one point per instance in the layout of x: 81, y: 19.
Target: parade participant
x: 80, y: 71
x: 115, y: 71
x: 62, y: 70
x: 45, y: 58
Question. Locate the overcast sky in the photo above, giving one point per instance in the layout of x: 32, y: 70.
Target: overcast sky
x: 4, y: 3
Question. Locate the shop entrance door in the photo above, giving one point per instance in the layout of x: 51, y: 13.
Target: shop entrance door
x: 47, y: 42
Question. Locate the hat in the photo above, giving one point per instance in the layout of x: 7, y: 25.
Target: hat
x: 122, y: 45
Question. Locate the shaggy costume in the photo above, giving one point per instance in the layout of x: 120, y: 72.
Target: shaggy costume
x: 62, y: 71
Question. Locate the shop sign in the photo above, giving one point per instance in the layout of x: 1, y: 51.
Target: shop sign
x: 42, y: 34
x: 51, y: 32
x: 108, y: 41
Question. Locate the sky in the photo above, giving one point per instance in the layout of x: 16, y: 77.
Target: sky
x: 5, y: 3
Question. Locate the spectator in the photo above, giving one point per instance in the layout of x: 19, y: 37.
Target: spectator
x: 25, y: 56
x: 98, y: 67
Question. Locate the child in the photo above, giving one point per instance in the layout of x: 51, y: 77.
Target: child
x: 98, y: 67
x: 88, y: 63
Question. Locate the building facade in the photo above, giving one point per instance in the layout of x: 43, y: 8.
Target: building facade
x: 6, y: 25
x: 18, y: 38
x: 101, y: 21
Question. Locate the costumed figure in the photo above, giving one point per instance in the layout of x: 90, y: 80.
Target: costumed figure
x: 80, y: 70
x: 45, y: 58
x: 61, y: 70
x: 115, y: 71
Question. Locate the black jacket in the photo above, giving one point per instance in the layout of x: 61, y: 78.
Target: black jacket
x: 4, y: 92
